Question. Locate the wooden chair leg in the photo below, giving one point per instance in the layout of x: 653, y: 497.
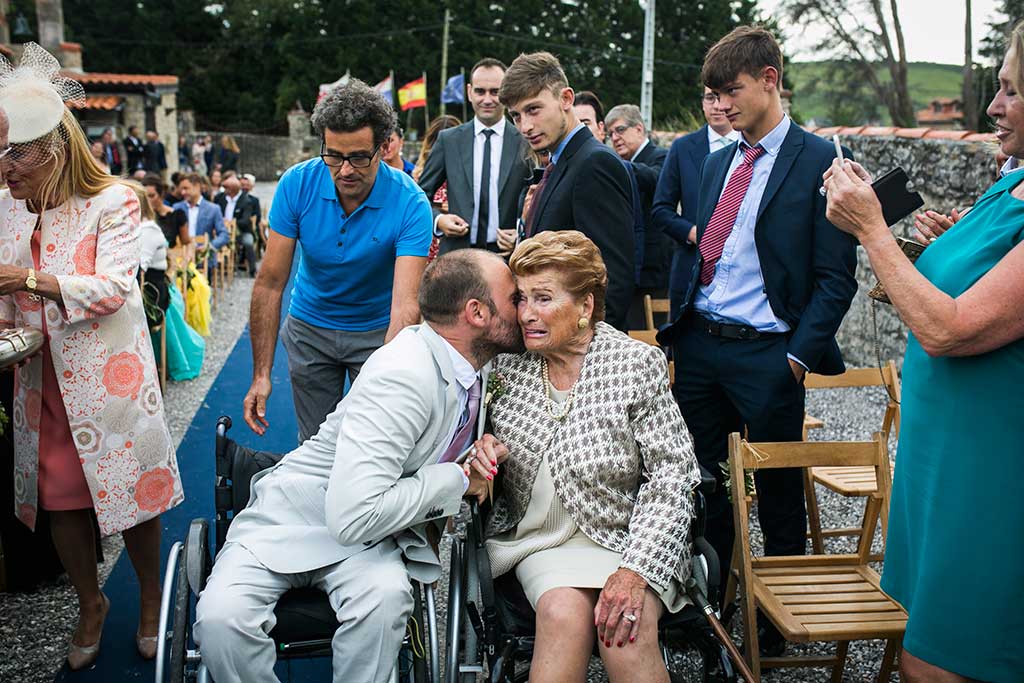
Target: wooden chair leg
x: 730, y: 581
x: 892, y: 648
x: 813, y: 513
x: 837, y: 669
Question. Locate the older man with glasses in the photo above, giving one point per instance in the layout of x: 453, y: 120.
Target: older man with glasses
x: 364, y: 230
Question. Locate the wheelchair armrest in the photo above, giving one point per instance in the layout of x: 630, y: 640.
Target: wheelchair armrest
x: 708, y: 483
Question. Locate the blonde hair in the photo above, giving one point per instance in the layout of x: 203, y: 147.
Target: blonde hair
x: 144, y: 206
x: 228, y: 143
x: 75, y: 172
x: 1015, y: 47
x: 573, y: 256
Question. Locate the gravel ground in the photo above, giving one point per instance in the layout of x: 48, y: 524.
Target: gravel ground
x: 36, y: 626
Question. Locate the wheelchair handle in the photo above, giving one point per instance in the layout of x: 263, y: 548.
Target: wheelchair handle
x: 223, y: 425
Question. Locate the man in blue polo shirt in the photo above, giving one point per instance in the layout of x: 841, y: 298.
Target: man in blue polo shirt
x: 364, y: 230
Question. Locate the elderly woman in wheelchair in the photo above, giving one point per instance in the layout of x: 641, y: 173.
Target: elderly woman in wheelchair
x: 594, y: 503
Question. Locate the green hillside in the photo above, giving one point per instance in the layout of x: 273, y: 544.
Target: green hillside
x: 927, y: 81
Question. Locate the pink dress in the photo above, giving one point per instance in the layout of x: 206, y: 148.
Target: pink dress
x: 62, y: 484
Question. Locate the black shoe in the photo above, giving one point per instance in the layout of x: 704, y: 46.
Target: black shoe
x: 770, y: 642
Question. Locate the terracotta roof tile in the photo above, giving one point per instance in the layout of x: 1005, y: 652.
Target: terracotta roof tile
x: 851, y: 130
x: 911, y: 132
x: 828, y: 131
x: 878, y: 130
x: 121, y: 79
x: 981, y: 137
x: 101, y: 102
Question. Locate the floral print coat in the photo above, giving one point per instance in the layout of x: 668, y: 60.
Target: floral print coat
x: 102, y: 356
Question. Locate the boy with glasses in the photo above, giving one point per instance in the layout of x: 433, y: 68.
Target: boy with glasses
x: 364, y: 230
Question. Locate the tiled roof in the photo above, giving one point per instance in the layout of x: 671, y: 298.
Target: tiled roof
x: 101, y: 102
x: 92, y: 78
x: 932, y: 116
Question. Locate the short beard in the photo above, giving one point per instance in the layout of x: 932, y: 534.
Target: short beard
x: 487, y: 347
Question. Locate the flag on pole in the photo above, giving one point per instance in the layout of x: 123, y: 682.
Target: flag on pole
x: 454, y: 90
x: 413, y: 94
x: 327, y: 87
x: 386, y: 88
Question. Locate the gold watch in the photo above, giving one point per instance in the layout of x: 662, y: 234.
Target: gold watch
x: 30, y: 281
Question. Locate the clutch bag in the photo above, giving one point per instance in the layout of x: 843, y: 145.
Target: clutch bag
x: 18, y: 343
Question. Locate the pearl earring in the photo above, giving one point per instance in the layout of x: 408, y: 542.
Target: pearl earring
x: 583, y: 322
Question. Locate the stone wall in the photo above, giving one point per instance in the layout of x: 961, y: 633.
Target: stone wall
x: 948, y: 174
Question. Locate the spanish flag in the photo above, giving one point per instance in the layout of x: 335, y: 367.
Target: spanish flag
x: 413, y: 94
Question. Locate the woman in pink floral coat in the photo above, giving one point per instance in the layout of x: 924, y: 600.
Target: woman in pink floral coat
x: 89, y: 429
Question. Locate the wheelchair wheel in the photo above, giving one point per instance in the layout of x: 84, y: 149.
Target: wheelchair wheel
x: 462, y: 661
x: 456, y: 606
x: 182, y: 624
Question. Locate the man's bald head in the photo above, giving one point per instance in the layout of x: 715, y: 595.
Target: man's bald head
x: 231, y: 185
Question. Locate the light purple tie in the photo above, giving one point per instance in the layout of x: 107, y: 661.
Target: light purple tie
x: 465, y: 432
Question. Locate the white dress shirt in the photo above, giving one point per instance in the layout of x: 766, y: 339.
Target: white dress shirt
x: 717, y: 142
x: 465, y: 376
x: 229, y: 207
x: 478, y: 165
x: 193, y: 217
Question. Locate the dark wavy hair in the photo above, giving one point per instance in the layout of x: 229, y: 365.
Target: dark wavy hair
x: 354, y: 106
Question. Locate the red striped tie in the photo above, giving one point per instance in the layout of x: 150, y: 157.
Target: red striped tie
x: 715, y: 235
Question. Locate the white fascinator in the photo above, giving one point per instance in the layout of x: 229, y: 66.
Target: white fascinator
x: 34, y: 94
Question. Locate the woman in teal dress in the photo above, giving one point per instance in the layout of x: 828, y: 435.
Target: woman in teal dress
x: 955, y: 554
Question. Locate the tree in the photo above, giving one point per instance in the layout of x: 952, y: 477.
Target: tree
x: 863, y: 34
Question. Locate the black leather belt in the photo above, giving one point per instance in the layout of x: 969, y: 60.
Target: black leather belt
x: 726, y: 330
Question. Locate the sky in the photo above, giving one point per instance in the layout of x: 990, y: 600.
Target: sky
x: 933, y: 29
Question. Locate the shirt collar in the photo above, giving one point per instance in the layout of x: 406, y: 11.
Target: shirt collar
x: 772, y: 142
x: 713, y: 136
x: 565, y: 141
x: 498, y: 128
x: 198, y: 204
x: 465, y: 374
x: 1012, y: 164
x: 642, y: 148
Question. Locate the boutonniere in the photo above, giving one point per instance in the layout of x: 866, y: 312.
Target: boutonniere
x: 495, y: 388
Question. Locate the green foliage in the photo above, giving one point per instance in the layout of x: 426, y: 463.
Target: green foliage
x: 833, y: 93
x: 244, y: 64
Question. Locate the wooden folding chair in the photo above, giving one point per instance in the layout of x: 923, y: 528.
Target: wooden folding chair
x: 202, y: 260
x: 652, y: 306
x: 648, y: 337
x: 850, y: 482
x: 815, y: 598
x: 177, y: 260
x: 227, y: 254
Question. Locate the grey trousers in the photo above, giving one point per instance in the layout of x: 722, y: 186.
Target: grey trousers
x: 318, y: 361
x: 370, y: 593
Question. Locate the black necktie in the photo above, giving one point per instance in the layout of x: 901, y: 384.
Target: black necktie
x: 483, y: 218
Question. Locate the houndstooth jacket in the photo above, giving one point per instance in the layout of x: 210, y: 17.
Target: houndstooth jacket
x: 622, y: 460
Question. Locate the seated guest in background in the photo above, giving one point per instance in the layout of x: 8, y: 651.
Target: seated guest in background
x: 248, y: 181
x: 393, y: 153
x: 238, y: 206
x: 355, y: 511
x: 632, y: 142
x: 364, y: 231
x: 173, y: 222
x: 773, y: 284
x: 204, y: 217
x: 585, y: 186
x: 956, y: 490
x: 590, y: 112
x: 215, y: 177
x: 594, y: 507
x: 172, y: 194
x: 675, y: 201
x: 152, y: 262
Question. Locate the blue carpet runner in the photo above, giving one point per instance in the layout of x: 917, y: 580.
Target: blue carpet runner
x: 118, y: 659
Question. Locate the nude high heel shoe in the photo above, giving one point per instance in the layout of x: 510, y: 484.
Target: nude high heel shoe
x: 82, y: 656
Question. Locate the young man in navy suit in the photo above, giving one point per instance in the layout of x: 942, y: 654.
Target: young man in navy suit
x: 677, y: 187
x: 772, y: 282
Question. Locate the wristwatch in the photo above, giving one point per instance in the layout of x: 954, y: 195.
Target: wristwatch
x: 30, y: 281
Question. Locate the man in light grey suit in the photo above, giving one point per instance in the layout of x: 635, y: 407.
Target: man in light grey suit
x: 351, y: 510
x: 483, y: 161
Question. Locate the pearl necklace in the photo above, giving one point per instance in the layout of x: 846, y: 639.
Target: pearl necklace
x: 548, y: 401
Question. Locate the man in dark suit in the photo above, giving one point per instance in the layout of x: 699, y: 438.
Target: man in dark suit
x: 239, y: 206
x: 632, y: 142
x: 771, y: 285
x: 153, y: 154
x: 111, y: 153
x: 585, y: 187
x: 480, y: 214
x: 674, y: 210
x: 133, y: 151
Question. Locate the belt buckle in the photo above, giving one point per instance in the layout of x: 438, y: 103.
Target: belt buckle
x: 747, y: 333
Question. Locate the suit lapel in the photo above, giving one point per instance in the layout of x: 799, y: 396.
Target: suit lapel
x: 466, y: 148
x: 574, y: 144
x: 452, y: 414
x: 791, y: 147
x: 509, y: 150
x: 700, y: 147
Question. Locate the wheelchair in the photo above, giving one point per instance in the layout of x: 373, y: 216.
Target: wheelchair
x: 305, y: 620
x: 491, y: 622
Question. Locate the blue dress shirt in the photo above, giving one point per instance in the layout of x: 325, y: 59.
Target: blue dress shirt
x: 565, y: 141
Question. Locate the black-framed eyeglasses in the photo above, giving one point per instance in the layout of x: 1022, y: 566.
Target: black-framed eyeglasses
x: 355, y: 160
